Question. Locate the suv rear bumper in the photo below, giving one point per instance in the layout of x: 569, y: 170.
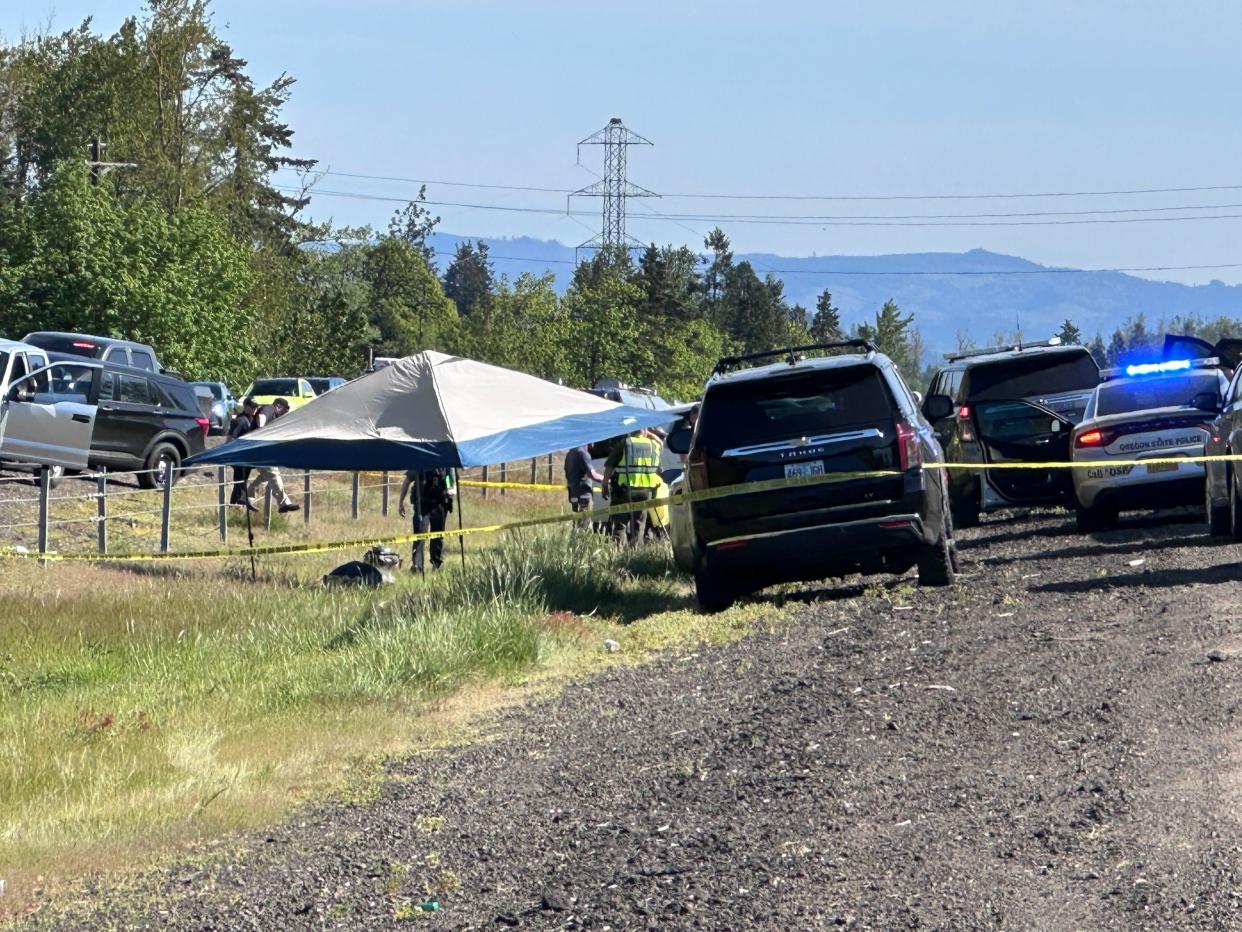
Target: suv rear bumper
x: 869, y: 545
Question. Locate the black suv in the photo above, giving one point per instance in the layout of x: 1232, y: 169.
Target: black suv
x: 808, y: 417
x: 145, y: 421
x: 1009, y: 404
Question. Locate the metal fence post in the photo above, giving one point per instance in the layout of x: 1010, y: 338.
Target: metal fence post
x: 222, y: 508
x: 267, y: 506
x: 549, y: 469
x: 485, y: 482
x: 504, y: 476
x: 306, y: 497
x: 166, y: 515
x: 534, y: 469
x: 384, y: 496
x: 354, y: 499
x: 45, y: 484
x: 101, y: 510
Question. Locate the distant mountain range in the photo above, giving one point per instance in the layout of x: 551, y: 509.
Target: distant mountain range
x: 953, y: 295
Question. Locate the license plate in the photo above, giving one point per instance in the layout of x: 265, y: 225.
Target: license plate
x: 1161, y: 467
x: 801, y: 470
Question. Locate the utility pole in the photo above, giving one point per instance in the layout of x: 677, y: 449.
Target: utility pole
x: 99, y: 167
x: 614, y: 188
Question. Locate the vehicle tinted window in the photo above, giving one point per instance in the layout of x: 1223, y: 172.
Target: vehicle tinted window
x: 1034, y: 376
x: 1013, y: 420
x: 143, y: 360
x: 802, y: 405
x: 76, y: 346
x: 320, y: 385
x: 1164, y: 392
x: 284, y: 387
x: 135, y: 390
x: 117, y: 355
x: 62, y: 381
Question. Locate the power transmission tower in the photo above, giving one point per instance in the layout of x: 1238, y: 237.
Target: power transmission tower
x: 613, y: 187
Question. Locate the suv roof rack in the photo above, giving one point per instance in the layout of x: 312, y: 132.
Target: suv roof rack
x: 1007, y: 348
x: 790, y: 353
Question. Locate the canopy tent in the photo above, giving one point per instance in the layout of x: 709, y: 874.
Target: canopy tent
x: 431, y: 410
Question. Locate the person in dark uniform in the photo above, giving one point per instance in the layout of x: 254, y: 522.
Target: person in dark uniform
x: 430, y: 492
x: 579, y: 478
x: 243, y: 423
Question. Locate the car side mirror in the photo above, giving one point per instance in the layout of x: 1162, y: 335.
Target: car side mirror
x: 937, y: 407
x: 21, y: 392
x: 679, y: 441
x: 1207, y: 401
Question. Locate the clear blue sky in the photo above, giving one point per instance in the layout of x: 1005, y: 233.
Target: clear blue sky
x: 900, y: 97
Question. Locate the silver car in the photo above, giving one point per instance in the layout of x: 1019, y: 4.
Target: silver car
x: 1148, y: 411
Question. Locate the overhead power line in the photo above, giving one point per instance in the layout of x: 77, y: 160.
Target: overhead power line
x: 950, y: 220
x: 550, y: 260
x: 1120, y: 192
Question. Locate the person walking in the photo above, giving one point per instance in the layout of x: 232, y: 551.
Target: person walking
x: 270, y: 475
x: 635, y: 466
x: 242, y: 424
x: 431, y: 493
x: 580, y: 477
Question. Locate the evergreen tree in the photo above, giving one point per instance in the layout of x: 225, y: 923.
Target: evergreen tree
x: 414, y: 223
x: 826, y: 325
x: 891, y: 335
x: 468, y: 280
x: 1099, y: 351
x: 1069, y: 334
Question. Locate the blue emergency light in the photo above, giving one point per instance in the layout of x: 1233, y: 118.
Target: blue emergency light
x: 1154, y: 368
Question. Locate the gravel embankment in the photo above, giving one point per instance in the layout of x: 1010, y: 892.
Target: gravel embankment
x: 1052, y: 745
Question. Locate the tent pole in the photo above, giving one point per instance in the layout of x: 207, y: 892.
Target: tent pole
x: 461, y: 538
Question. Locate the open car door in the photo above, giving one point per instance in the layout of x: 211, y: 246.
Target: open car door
x: 1025, y: 432
x: 48, y: 417
x: 1227, y: 350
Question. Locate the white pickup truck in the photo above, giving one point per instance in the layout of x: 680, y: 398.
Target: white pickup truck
x: 47, y: 412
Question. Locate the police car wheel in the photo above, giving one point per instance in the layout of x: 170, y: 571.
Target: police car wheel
x: 1217, y: 515
x: 1235, y: 508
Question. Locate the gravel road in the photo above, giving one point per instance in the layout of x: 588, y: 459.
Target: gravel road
x: 1053, y: 745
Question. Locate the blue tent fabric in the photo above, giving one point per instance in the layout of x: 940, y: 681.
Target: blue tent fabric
x: 432, y: 410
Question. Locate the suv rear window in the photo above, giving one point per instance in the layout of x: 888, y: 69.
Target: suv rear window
x: 75, y: 346
x: 1127, y: 395
x: 805, y: 404
x: 1033, y: 376
x: 275, y: 387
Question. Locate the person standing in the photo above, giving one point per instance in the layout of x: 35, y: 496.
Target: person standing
x: 242, y: 424
x: 580, y: 477
x: 431, y: 492
x: 270, y: 474
x: 635, y: 464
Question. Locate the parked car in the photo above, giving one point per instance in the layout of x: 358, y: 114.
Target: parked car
x: 48, y: 415
x: 1005, y: 405
x: 223, y: 405
x: 121, y: 352
x: 800, y: 418
x: 295, y: 391
x: 322, y: 384
x: 140, y: 421
x: 1156, y: 411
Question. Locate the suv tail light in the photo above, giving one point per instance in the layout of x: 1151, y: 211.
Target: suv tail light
x: 205, y: 424
x: 909, y: 450
x: 965, y: 427
x: 696, y: 464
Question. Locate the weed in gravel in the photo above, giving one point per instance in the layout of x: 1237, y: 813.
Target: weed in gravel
x: 429, y: 825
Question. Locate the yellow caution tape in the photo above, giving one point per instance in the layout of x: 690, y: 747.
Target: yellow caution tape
x: 531, y: 486
x: 681, y: 497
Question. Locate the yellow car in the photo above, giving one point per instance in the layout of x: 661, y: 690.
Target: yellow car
x: 295, y: 391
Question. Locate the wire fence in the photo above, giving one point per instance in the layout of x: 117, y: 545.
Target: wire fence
x: 209, y: 507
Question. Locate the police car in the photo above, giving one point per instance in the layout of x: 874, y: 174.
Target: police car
x: 1146, y: 411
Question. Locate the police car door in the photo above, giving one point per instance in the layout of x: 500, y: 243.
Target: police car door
x: 48, y: 417
x: 1029, y: 433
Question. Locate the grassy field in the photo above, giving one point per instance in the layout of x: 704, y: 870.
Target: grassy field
x: 146, y: 706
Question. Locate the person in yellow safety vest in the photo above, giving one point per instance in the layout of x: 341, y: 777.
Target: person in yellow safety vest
x: 635, y: 466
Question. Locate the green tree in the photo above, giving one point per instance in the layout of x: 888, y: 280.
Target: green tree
x: 1069, y: 334
x: 1099, y: 351
x: 409, y: 308
x: 413, y: 223
x: 468, y: 280
x: 891, y: 335
x: 826, y: 325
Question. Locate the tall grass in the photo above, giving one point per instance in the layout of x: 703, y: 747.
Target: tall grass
x: 184, y: 701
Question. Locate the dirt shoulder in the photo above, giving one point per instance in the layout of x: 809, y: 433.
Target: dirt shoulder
x: 1048, y: 746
